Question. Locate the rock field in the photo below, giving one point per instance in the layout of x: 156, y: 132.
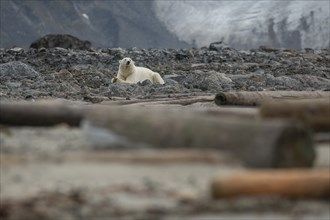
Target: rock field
x: 77, y: 75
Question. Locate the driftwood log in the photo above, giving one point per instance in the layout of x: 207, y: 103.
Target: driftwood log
x: 164, y: 101
x: 314, y: 113
x: 143, y: 156
x: 257, y: 143
x: 49, y: 113
x: 256, y: 98
x: 39, y: 114
x: 287, y: 183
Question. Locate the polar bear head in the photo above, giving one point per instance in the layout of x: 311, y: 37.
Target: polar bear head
x: 126, y: 66
x: 126, y: 62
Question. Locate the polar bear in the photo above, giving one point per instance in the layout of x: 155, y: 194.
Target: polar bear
x: 129, y: 73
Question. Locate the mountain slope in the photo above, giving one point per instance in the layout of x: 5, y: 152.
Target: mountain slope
x: 249, y: 24
x: 104, y: 23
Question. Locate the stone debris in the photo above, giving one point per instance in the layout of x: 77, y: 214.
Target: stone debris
x: 73, y: 74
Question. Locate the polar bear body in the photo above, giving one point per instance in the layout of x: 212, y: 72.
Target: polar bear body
x: 129, y: 73
x: 141, y: 74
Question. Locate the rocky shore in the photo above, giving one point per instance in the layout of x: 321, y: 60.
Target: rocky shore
x: 77, y: 74
x: 62, y: 172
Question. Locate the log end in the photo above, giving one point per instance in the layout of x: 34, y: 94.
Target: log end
x: 220, y: 99
x: 295, y: 148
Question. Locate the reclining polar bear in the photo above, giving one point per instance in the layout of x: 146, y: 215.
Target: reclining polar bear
x: 129, y: 73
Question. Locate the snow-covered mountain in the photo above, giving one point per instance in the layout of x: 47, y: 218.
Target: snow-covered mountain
x: 249, y: 23
x: 242, y: 24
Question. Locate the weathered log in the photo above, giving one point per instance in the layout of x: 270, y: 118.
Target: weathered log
x: 287, y: 183
x: 48, y: 113
x: 314, y: 113
x: 248, y: 112
x: 185, y: 101
x: 257, y: 143
x: 156, y: 101
x: 150, y: 156
x: 39, y: 114
x: 256, y: 98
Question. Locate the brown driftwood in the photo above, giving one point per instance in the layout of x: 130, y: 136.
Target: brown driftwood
x: 185, y: 101
x: 150, y: 156
x: 286, y: 183
x: 314, y: 113
x: 256, y: 98
x: 39, y: 114
x: 155, y: 156
x: 156, y: 101
x: 257, y: 143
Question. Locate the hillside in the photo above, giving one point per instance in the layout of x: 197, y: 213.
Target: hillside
x: 104, y: 23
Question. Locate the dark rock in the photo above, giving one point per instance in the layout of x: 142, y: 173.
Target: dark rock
x: 218, y: 46
x: 252, y: 88
x: 124, y: 90
x: 17, y: 70
x: 145, y: 83
x: 181, y: 56
x: 41, y: 50
x: 205, y: 81
x: 268, y: 49
x: 61, y: 40
x: 16, y: 50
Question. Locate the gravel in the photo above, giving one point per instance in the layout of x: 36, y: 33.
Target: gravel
x: 75, y: 74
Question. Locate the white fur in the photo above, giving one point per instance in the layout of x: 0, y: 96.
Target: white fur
x: 129, y: 73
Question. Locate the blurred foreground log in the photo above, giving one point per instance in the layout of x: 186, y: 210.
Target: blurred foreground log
x: 256, y: 98
x: 257, y: 143
x: 39, y: 114
x: 142, y: 156
x: 314, y: 113
x: 286, y: 183
x: 49, y: 113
